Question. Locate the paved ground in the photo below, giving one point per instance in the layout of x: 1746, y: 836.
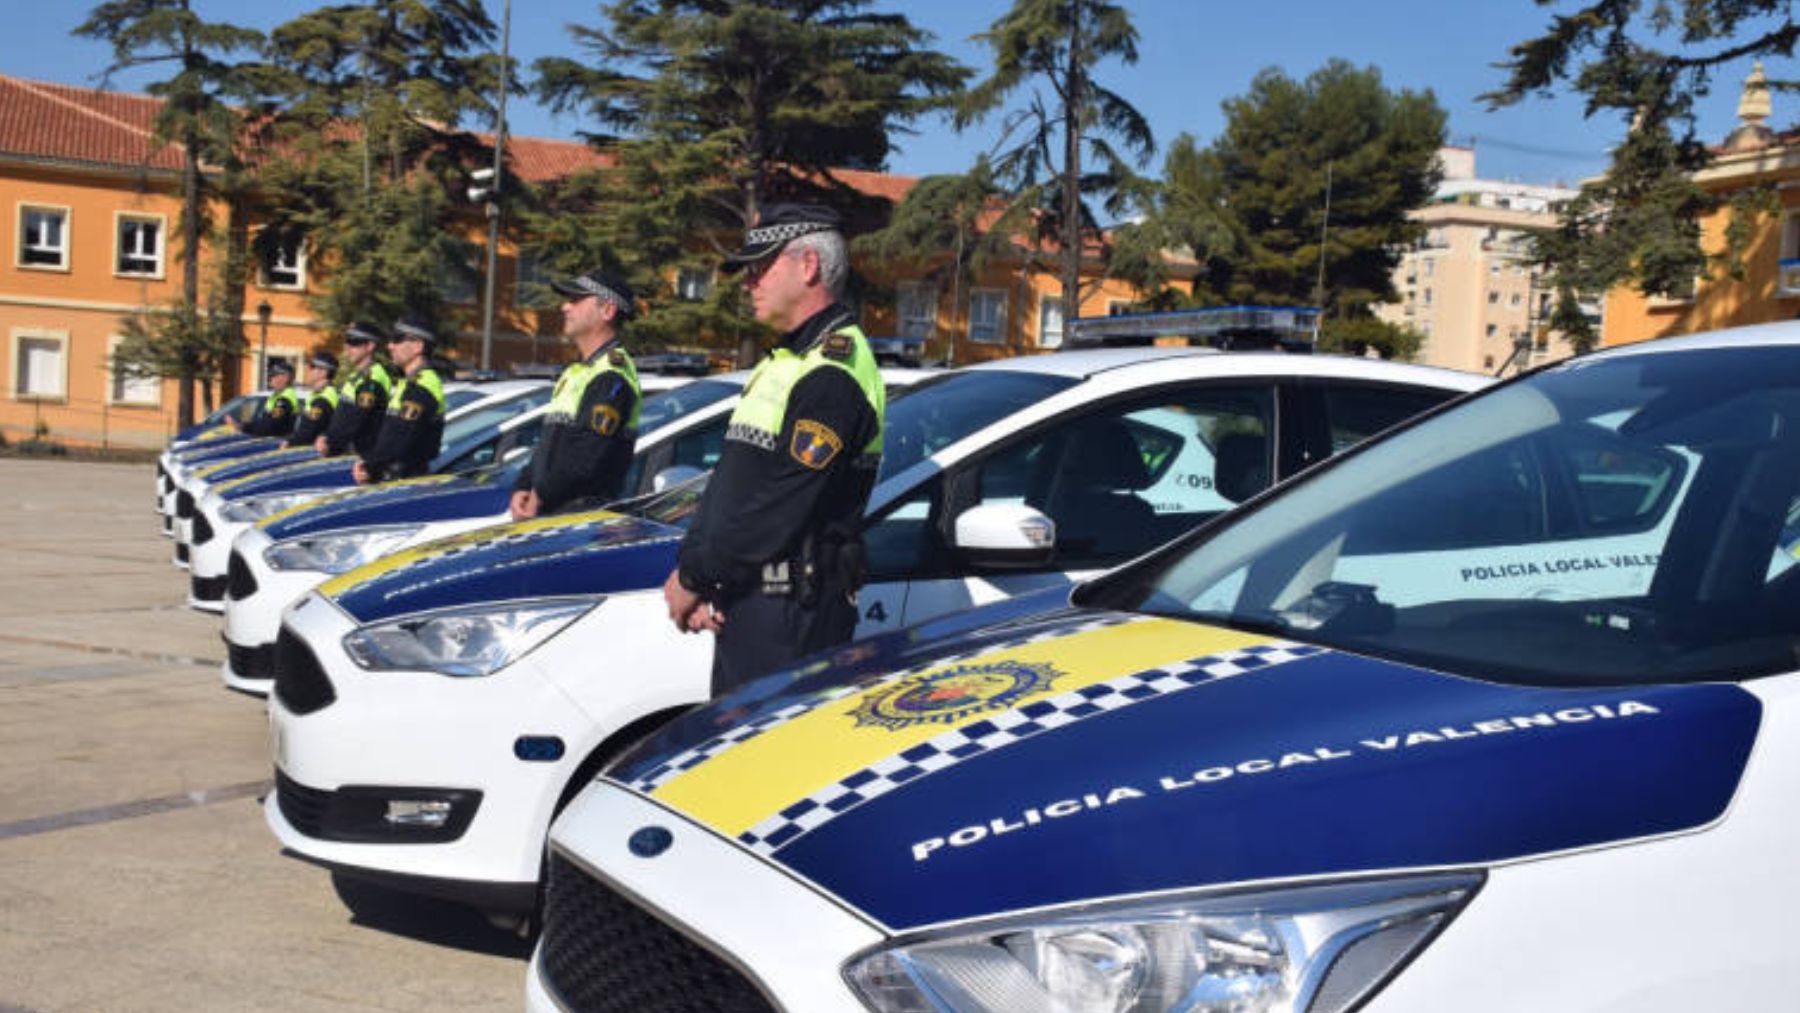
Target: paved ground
x: 135, y: 871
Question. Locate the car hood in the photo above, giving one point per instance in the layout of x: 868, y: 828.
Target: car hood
x: 231, y: 470
x: 1077, y: 755
x: 311, y: 472
x: 580, y: 554
x: 224, y: 449
x: 410, y: 501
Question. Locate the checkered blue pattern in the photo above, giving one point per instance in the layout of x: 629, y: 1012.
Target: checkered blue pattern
x: 1004, y: 729
x: 662, y: 773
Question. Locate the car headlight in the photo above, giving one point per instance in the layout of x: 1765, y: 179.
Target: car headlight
x: 463, y: 642
x: 339, y: 551
x: 1319, y: 949
x: 255, y: 508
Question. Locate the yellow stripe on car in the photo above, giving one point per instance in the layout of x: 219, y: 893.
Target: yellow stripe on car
x: 454, y: 543
x: 737, y: 789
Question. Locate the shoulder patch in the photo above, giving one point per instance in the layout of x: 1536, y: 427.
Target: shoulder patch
x: 315, y: 411
x: 604, y: 419
x: 616, y: 357
x: 837, y: 346
x: 814, y: 444
x: 410, y: 411
x: 365, y: 399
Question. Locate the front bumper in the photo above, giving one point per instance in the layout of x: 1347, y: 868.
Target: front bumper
x: 209, y: 555
x: 370, y: 731
x: 721, y: 900
x: 256, y: 594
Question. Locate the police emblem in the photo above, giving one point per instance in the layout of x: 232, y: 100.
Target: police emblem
x: 814, y: 444
x: 837, y: 346
x: 366, y: 399
x: 616, y: 357
x: 948, y: 696
x: 410, y: 411
x: 604, y: 420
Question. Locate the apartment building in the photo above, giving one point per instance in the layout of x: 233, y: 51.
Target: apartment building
x: 1469, y: 286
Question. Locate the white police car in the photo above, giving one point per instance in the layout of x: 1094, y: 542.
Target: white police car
x: 1310, y: 758
x: 283, y: 556
x: 433, y: 709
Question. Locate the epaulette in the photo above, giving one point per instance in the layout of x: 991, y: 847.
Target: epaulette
x: 837, y: 346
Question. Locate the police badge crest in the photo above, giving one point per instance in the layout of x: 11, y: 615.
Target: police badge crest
x: 814, y: 444
x: 946, y: 697
x: 604, y: 420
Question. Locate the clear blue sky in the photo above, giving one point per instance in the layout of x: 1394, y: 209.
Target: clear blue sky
x: 1194, y: 55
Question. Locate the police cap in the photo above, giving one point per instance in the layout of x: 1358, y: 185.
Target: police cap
x: 323, y: 360
x: 776, y: 227
x: 360, y: 333
x: 602, y: 284
x: 412, y: 327
x: 281, y: 367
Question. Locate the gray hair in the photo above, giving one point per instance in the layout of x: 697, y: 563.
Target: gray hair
x: 834, y: 257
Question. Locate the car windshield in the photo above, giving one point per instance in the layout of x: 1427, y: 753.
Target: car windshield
x: 455, y: 399
x: 479, y: 420
x: 938, y: 411
x: 661, y: 409
x: 1610, y: 521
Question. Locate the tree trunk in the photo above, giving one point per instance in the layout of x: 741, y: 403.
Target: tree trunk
x: 1073, y: 106
x: 190, y: 274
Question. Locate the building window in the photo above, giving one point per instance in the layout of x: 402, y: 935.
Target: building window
x: 987, y: 316
x: 693, y: 283
x: 461, y: 282
x: 128, y: 388
x: 1120, y: 307
x: 1790, y: 236
x: 283, y: 264
x: 43, y: 236
x: 1493, y: 297
x: 1492, y: 329
x: 1050, y: 321
x: 1428, y: 297
x: 40, y: 364
x: 1515, y: 300
x: 918, y: 310
x: 1430, y: 266
x: 140, y: 246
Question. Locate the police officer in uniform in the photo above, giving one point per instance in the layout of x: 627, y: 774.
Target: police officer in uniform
x: 321, y: 402
x: 413, y: 429
x: 773, y: 559
x: 590, y: 431
x: 363, y: 398
x: 275, y: 416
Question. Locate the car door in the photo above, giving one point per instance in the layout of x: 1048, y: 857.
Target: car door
x: 1116, y: 479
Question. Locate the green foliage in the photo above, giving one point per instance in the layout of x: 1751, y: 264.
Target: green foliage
x: 1183, y: 216
x: 1051, y: 47
x: 367, y: 164
x: 1645, y: 66
x: 203, y: 98
x: 1360, y: 335
x: 1287, y: 143
x: 713, y: 110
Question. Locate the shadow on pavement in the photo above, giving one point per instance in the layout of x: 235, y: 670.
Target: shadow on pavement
x: 427, y: 919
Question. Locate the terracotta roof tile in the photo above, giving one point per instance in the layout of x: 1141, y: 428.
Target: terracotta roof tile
x: 65, y: 123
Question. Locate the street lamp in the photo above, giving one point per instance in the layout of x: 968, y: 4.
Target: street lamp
x: 263, y: 312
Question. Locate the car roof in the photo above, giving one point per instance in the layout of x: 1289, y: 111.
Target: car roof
x: 1089, y: 361
x: 1128, y: 367
x: 1784, y: 332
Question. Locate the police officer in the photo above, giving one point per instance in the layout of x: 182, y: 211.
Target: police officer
x: 275, y: 416
x: 413, y: 428
x: 321, y: 401
x: 363, y: 398
x: 590, y: 431
x: 773, y: 558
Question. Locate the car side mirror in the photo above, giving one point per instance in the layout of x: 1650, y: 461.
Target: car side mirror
x: 1005, y: 536
x: 673, y: 476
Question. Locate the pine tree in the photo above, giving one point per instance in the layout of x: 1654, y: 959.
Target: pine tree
x: 1645, y: 67
x: 1290, y: 149
x: 1058, y: 43
x: 1181, y: 215
x: 373, y: 158
x: 201, y: 113
x: 715, y: 109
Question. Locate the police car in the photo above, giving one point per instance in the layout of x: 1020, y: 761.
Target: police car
x: 433, y: 709
x: 194, y: 470
x: 475, y: 435
x: 281, y: 557
x: 1330, y: 753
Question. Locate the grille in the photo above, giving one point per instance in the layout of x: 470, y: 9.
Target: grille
x: 240, y: 583
x: 601, y: 953
x: 203, y: 530
x: 184, y: 504
x: 251, y: 662
x: 181, y: 552
x: 207, y: 588
x: 300, y: 684
x: 303, y: 807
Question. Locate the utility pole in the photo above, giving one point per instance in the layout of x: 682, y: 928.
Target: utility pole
x: 1324, y: 230
x: 493, y: 192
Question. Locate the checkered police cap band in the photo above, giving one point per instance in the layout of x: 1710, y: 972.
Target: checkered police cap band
x: 364, y: 332
x: 587, y: 284
x: 765, y: 234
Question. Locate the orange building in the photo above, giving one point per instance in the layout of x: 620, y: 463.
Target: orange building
x: 1752, y: 156
x: 93, y: 203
